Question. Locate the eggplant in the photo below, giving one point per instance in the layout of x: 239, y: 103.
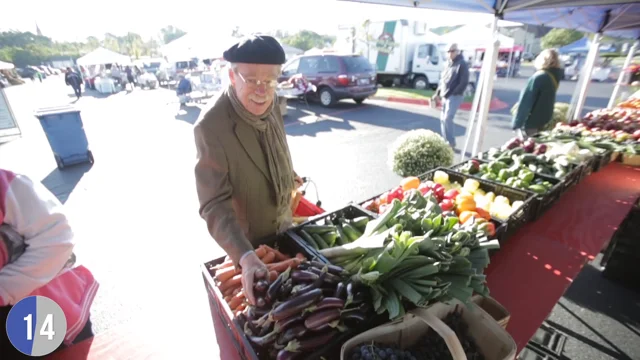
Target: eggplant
x: 276, y: 285
x: 285, y: 291
x: 303, y: 276
x: 322, y: 327
x: 266, y: 328
x: 250, y: 329
x: 327, y: 292
x: 303, y: 266
x: 311, y: 342
x: 319, y: 318
x: 340, y: 290
x: 292, y: 333
x: 261, y: 302
x: 349, y: 293
x: 242, y: 319
x: 250, y: 313
x: 328, y: 278
x: 260, y: 312
x: 358, y: 298
x: 355, y: 315
x: 286, y: 355
x: 294, y: 320
x: 333, y: 269
x: 330, y: 303
x: 261, y: 286
x: 296, y: 305
x: 264, y: 340
x: 316, y: 284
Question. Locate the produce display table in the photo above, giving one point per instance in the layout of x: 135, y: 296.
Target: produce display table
x: 528, y: 275
x: 536, y: 266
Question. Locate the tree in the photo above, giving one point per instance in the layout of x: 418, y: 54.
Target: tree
x: 170, y: 33
x: 305, y: 40
x: 560, y: 37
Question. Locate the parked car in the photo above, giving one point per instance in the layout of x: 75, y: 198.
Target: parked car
x: 528, y: 56
x: 336, y: 77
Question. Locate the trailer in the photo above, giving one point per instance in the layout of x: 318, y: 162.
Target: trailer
x: 404, y: 53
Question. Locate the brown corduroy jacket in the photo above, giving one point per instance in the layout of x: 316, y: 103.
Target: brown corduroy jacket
x: 237, y: 198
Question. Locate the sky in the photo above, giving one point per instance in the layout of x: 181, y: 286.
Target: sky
x: 75, y: 20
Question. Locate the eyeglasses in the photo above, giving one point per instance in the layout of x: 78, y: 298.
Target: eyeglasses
x: 269, y: 84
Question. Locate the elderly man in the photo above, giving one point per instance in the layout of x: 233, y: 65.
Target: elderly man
x: 451, y: 89
x: 244, y: 173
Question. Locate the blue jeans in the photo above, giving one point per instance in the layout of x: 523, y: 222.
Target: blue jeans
x: 450, y: 106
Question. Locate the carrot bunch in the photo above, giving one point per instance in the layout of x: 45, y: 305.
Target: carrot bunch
x: 229, y: 278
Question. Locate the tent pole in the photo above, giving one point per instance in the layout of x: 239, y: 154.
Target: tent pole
x: 586, y: 76
x: 473, y: 113
x: 487, y: 88
x: 627, y: 62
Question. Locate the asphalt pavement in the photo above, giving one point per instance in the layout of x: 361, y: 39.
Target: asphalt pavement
x: 135, y: 210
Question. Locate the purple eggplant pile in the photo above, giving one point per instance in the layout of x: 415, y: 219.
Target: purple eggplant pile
x: 303, y: 310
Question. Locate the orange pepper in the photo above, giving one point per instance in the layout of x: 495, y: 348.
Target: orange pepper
x: 409, y: 183
x: 467, y: 215
x: 464, y: 197
x: 483, y: 213
x: 465, y: 205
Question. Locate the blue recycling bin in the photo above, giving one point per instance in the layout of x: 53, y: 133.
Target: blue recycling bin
x: 65, y: 132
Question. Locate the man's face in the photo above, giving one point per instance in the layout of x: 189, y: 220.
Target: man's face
x: 255, y: 85
x: 452, y: 53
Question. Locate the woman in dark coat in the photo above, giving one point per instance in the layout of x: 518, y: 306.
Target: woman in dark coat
x: 537, y: 99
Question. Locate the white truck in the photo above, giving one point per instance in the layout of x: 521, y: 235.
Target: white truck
x: 404, y: 53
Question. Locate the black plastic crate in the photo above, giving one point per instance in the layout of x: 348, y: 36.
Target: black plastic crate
x: 518, y: 218
x: 588, y: 166
x: 286, y: 245
x: 220, y: 308
x: 574, y: 177
x: 350, y: 211
x: 421, y: 177
x: 546, y: 200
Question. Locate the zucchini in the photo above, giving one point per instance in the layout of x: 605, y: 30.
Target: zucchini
x: 330, y: 238
x: 320, y: 241
x: 342, y: 237
x: 351, y: 232
x: 360, y: 223
x: 308, y: 239
x: 318, y: 229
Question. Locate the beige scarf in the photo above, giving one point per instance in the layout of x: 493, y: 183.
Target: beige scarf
x: 273, y: 141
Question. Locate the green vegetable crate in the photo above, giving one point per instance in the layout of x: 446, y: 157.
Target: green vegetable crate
x: 220, y: 310
x: 331, y: 229
x: 504, y: 228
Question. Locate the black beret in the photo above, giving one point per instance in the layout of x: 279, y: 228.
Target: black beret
x: 257, y: 49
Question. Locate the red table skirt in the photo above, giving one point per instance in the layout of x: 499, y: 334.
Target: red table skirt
x: 528, y: 276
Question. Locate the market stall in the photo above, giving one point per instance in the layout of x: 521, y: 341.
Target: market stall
x: 517, y: 220
x: 100, y: 69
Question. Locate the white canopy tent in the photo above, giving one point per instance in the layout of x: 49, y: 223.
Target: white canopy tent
x: 6, y: 65
x: 102, y: 56
x: 197, y: 45
x: 475, y: 37
x: 615, y: 17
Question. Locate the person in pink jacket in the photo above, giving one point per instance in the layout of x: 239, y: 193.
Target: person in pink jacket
x: 36, y: 257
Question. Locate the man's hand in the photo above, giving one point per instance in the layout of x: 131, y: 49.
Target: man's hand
x: 252, y: 270
x: 298, y: 181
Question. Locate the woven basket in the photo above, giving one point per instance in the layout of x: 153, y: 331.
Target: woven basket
x: 631, y: 160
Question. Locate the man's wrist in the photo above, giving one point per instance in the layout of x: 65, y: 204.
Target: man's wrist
x: 244, y: 256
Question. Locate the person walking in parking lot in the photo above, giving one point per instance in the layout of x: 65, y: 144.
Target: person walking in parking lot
x: 453, y: 82
x: 72, y: 79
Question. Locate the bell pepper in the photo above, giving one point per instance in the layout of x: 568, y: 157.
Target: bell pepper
x: 487, y: 228
x: 396, y: 193
x: 446, y: 205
